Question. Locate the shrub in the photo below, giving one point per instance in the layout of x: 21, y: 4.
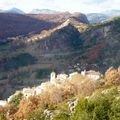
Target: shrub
x: 115, y: 110
x: 81, y: 111
x: 61, y: 116
x: 61, y: 112
x: 112, y: 76
x: 36, y: 115
x: 16, y: 99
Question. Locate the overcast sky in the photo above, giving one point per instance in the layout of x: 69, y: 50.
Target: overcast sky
x: 85, y: 6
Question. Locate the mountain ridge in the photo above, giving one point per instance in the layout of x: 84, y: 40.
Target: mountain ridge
x: 32, y: 23
x: 13, y: 11
x: 44, y: 11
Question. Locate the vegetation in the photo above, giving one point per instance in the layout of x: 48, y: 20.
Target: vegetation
x: 5, y: 47
x: 95, y: 101
x: 20, y: 60
x: 112, y: 76
x: 16, y: 99
x: 98, y: 100
x: 36, y: 115
x: 117, y: 23
x: 42, y: 73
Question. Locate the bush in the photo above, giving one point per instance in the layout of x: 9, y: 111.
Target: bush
x: 112, y: 76
x: 98, y: 107
x: 61, y: 116
x: 16, y: 99
x: 81, y: 112
x: 115, y: 110
x: 36, y: 115
x: 62, y: 112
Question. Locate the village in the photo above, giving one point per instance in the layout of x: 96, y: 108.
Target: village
x: 56, y: 80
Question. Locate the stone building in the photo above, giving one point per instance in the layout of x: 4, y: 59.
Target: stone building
x: 92, y: 74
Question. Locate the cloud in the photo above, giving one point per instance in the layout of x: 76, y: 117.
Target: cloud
x: 93, y: 1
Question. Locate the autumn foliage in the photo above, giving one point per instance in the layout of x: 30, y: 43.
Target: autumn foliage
x: 112, y: 76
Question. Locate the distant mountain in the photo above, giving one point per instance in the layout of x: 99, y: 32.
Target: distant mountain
x: 96, y: 17
x: 100, y: 17
x: 1, y: 10
x: 43, y: 11
x: 12, y: 10
x: 112, y: 13
x: 15, y: 10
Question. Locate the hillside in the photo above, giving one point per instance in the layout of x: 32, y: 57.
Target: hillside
x: 75, y: 96
x: 17, y: 24
x: 22, y: 24
x: 94, y: 43
x: 72, y: 46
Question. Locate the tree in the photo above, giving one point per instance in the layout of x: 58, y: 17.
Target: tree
x: 112, y: 76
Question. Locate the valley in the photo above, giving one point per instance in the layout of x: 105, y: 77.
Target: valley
x: 58, y: 64
x: 67, y: 44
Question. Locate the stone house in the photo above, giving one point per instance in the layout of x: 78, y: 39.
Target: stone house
x: 92, y: 74
x: 62, y: 77
x: 27, y: 92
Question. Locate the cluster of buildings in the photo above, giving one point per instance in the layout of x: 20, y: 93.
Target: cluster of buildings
x: 56, y: 80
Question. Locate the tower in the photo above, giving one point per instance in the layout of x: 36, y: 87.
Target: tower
x: 52, y: 77
x: 83, y: 73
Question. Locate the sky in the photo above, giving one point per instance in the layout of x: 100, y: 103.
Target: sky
x: 84, y: 6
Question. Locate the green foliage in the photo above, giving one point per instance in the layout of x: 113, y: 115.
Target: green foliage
x: 16, y: 99
x: 42, y: 73
x: 61, y: 116
x: 36, y: 115
x: 97, y: 107
x: 20, y: 60
x: 83, y: 110
x: 100, y: 113
x: 117, y: 23
x: 115, y: 110
x: 100, y: 107
x: 62, y: 112
x: 1, y: 117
